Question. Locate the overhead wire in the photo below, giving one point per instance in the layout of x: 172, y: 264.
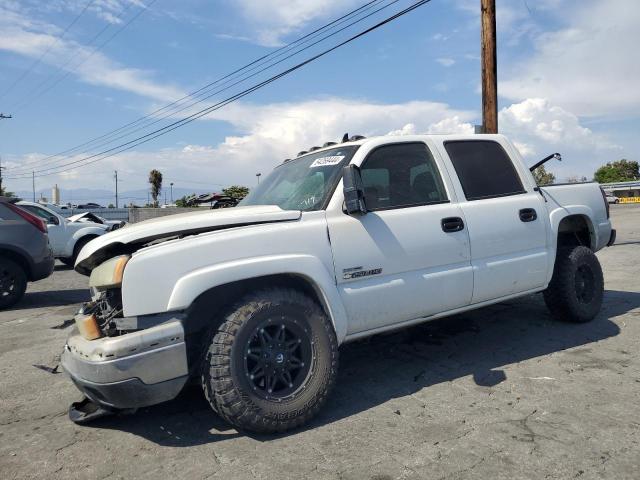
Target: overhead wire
x: 163, y: 131
x: 232, y: 84
x: 205, y: 90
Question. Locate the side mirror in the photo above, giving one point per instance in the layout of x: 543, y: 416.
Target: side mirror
x: 53, y: 220
x: 353, y: 190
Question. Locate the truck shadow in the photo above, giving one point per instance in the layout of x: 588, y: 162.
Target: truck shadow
x: 378, y: 369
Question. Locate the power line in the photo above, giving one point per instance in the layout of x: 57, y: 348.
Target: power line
x: 205, y: 90
x: 95, y: 50
x: 53, y: 42
x: 105, y: 143
x: 163, y: 131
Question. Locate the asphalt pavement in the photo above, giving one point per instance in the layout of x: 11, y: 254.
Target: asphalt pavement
x: 502, y: 392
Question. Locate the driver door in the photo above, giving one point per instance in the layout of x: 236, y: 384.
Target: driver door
x: 399, y: 262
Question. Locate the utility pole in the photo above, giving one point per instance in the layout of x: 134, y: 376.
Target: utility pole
x: 116, y: 175
x: 171, y: 185
x: 1, y: 168
x: 258, y: 175
x: 489, y: 67
x: 33, y: 184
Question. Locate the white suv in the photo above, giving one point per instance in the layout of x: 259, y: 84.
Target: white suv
x: 66, y: 237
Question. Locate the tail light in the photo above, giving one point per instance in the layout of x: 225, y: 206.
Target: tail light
x: 606, y: 202
x: 29, y: 217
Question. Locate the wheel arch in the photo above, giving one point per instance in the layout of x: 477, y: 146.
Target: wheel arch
x: 573, y: 229
x: 205, y: 314
x: 18, y: 257
x: 83, y: 236
x: 220, y: 285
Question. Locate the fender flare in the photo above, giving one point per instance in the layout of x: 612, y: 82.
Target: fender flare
x: 190, y: 286
x: 559, y: 214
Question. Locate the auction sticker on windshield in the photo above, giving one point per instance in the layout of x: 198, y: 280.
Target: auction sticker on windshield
x: 324, y: 161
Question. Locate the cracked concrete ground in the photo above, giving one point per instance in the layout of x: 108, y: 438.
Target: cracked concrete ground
x: 500, y: 393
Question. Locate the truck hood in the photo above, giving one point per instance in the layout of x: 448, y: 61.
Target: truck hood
x: 135, y: 236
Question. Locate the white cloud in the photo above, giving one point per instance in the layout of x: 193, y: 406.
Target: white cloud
x: 273, y: 19
x: 446, y: 62
x: 267, y: 134
x: 538, y: 128
x: 589, y: 67
x: 20, y: 34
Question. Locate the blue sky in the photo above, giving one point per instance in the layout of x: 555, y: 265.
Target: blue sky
x: 566, y: 82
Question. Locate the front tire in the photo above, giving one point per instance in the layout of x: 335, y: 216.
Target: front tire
x: 13, y: 283
x: 577, y: 286
x: 272, y: 362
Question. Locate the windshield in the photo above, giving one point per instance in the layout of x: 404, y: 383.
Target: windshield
x: 304, y: 183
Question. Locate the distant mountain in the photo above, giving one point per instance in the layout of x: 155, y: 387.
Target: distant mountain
x: 105, y: 197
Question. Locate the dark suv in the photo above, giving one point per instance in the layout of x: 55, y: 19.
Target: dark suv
x: 25, y: 254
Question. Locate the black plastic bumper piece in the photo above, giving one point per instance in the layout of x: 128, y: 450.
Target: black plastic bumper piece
x: 612, y: 238
x: 129, y: 394
x: 87, y: 411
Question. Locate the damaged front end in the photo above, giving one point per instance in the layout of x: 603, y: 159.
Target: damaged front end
x: 122, y: 363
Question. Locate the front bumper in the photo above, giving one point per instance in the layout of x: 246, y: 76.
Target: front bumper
x: 129, y: 371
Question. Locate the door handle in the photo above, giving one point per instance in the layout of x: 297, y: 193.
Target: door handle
x: 452, y: 224
x: 528, y: 215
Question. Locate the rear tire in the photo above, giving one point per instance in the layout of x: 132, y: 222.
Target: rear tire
x: 272, y: 363
x: 13, y: 283
x: 577, y: 286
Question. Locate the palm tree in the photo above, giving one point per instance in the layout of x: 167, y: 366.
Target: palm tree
x: 155, y: 179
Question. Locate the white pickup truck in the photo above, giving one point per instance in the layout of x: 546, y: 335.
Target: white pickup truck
x: 337, y: 244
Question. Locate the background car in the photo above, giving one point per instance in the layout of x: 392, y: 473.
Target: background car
x: 66, y: 237
x: 25, y: 254
x: 612, y: 198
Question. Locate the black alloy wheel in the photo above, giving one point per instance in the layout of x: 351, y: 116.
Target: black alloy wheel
x: 576, y: 289
x: 584, y: 284
x: 272, y: 362
x: 277, y: 358
x: 13, y: 282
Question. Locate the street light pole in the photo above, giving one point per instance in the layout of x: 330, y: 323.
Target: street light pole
x: 2, y: 117
x: 258, y: 175
x: 171, y: 187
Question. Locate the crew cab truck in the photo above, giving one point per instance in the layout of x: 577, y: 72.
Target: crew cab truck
x: 340, y: 243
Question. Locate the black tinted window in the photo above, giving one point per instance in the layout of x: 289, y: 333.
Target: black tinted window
x: 484, y: 169
x: 401, y: 175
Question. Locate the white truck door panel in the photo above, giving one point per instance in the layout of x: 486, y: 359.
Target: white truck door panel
x: 396, y: 262
x: 508, y: 255
x: 507, y: 221
x: 423, y: 270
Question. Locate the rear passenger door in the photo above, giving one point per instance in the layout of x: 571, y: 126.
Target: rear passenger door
x: 506, y: 220
x: 397, y: 262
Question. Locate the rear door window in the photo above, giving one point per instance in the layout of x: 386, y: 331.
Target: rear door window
x: 484, y: 169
